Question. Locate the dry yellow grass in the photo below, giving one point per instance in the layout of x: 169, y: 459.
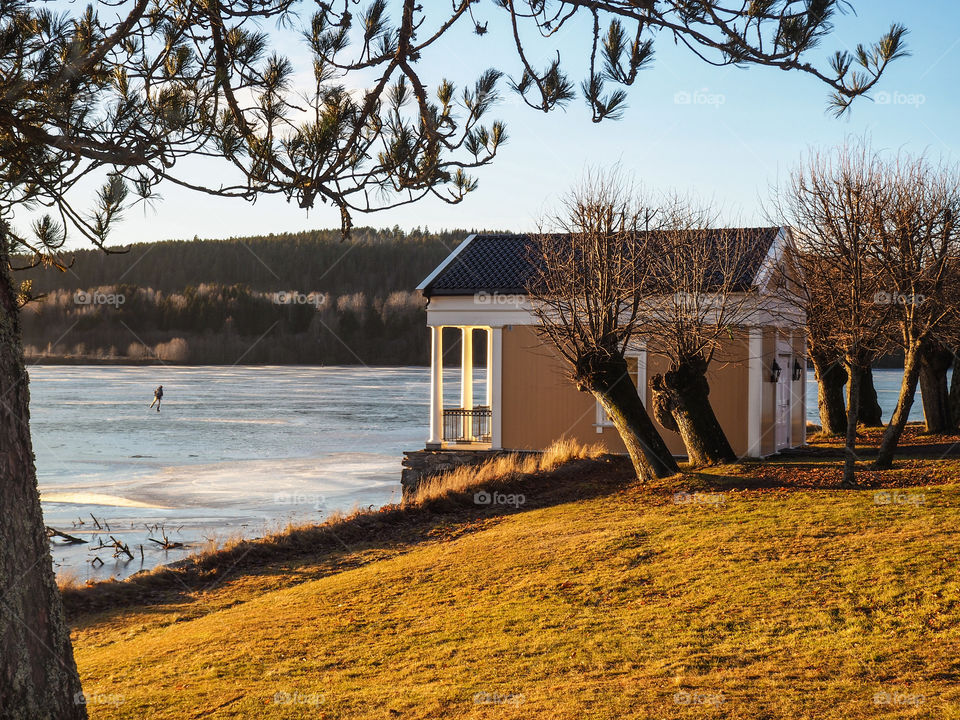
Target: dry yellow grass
x: 731, y: 602
x: 502, y: 470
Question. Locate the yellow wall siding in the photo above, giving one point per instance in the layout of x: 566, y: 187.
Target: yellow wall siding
x: 541, y: 404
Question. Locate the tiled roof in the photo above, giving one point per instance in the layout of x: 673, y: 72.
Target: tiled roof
x: 501, y: 263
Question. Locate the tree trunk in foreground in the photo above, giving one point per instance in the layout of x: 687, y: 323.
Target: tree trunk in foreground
x: 894, y: 431
x: 686, y: 392
x: 870, y: 413
x: 955, y: 392
x: 934, y: 391
x: 609, y: 381
x: 38, y: 676
x: 831, y: 377
x: 853, y: 412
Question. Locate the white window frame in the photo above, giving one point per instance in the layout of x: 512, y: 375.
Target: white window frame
x: 602, y: 419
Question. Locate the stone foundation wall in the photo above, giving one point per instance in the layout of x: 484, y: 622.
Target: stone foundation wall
x: 419, y: 465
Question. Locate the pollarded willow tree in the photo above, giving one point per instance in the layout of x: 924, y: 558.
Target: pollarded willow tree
x: 590, y: 265
x: 121, y: 91
x: 917, y: 250
x: 834, y: 204
x: 697, y: 296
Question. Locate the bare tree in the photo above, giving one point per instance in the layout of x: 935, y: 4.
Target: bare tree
x: 831, y: 375
x: 586, y: 287
x: 917, y: 249
x: 834, y: 204
x: 697, y: 295
x: 935, y: 361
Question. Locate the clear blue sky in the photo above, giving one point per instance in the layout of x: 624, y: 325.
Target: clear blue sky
x: 756, y: 123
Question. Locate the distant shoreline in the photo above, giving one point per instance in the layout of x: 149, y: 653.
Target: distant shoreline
x: 882, y: 364
x: 82, y: 360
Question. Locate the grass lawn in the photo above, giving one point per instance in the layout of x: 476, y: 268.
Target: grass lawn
x: 727, y: 594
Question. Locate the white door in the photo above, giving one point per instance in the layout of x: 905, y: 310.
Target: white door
x: 784, y: 399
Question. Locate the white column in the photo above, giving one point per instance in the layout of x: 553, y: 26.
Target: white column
x: 489, y: 367
x: 436, y: 386
x: 466, y: 368
x: 755, y: 380
x: 495, y: 355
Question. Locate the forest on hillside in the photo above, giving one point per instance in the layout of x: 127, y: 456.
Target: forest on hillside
x: 294, y: 298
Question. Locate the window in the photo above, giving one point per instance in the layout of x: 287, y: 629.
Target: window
x: 637, y: 367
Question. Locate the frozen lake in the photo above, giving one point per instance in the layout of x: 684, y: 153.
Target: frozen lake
x: 235, y: 451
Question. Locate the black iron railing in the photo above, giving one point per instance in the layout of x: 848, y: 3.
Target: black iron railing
x: 462, y: 425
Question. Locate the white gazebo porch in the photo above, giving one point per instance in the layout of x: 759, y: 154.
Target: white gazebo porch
x: 469, y: 425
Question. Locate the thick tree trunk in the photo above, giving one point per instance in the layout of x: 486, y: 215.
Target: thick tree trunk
x: 686, y: 392
x: 908, y: 389
x: 955, y: 392
x: 870, y: 413
x: 608, y: 378
x: 831, y: 377
x: 934, y: 391
x: 38, y: 677
x: 853, y: 412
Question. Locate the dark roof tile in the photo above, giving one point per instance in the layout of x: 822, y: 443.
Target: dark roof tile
x: 501, y: 263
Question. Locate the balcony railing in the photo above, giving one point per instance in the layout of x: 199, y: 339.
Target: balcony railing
x: 464, y: 426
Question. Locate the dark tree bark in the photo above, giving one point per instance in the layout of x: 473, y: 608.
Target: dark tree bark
x: 608, y: 378
x: 870, y: 413
x: 853, y: 412
x: 934, y: 391
x: 955, y: 392
x: 684, y: 390
x: 38, y: 676
x: 831, y: 377
x: 908, y: 390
